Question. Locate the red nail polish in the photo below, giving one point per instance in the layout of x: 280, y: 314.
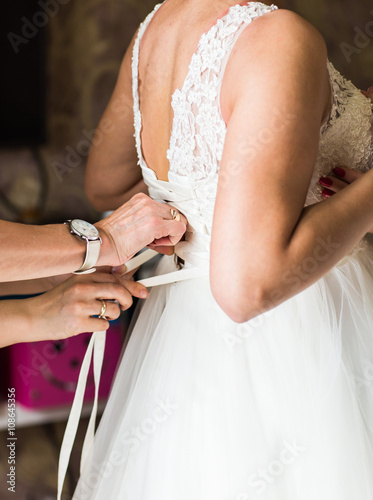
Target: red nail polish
x: 324, y: 181
x: 327, y: 193
x: 339, y: 172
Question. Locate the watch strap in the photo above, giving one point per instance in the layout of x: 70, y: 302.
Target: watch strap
x: 91, y: 257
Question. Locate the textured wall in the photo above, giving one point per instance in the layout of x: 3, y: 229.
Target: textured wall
x: 88, y: 40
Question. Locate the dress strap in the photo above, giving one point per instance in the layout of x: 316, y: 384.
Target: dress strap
x: 135, y: 77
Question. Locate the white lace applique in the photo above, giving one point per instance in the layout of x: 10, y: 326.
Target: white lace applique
x: 346, y: 137
x: 135, y: 81
x: 198, y: 130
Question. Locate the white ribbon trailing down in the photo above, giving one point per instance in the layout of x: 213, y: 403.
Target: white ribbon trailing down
x: 96, y: 344
x: 96, y: 347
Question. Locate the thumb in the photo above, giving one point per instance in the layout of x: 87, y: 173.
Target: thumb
x: 164, y: 250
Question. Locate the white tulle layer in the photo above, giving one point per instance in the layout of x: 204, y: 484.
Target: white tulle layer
x: 280, y: 408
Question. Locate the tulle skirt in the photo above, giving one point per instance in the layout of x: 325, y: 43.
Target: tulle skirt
x: 279, y: 408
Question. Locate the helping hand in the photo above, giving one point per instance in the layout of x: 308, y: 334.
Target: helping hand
x: 138, y: 223
x: 69, y: 309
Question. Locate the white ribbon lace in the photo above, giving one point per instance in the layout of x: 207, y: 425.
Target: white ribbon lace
x: 96, y: 349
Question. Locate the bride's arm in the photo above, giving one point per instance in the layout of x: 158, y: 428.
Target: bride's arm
x: 266, y: 247
x: 112, y: 174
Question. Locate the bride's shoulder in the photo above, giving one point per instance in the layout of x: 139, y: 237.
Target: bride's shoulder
x: 278, y: 39
x: 280, y: 50
x: 281, y: 29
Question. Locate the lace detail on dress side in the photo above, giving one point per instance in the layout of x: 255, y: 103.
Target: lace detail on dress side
x: 346, y: 138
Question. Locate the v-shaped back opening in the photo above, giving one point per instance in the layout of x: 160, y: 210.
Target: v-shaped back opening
x: 135, y: 79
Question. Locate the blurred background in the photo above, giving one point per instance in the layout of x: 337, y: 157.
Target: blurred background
x: 59, y: 66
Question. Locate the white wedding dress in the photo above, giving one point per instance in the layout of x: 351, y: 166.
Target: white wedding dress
x: 279, y: 408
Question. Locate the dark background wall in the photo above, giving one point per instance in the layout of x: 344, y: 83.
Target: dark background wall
x: 347, y: 26
x: 85, y: 42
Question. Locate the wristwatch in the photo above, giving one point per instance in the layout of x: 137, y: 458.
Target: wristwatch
x: 90, y: 234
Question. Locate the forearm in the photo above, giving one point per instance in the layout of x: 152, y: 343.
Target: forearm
x: 325, y: 233
x: 26, y: 287
x: 16, y: 324
x: 329, y: 230
x: 112, y: 174
x: 29, y: 252
x: 278, y: 270
x: 104, y: 201
x: 32, y: 252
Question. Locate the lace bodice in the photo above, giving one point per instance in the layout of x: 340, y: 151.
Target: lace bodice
x: 346, y: 139
x: 198, y: 130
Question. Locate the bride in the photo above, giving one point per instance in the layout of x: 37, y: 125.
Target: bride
x: 253, y: 378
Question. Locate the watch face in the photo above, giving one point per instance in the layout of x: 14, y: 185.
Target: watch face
x: 84, y: 228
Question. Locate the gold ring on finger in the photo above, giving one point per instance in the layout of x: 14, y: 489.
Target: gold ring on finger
x: 175, y: 215
x: 103, y: 309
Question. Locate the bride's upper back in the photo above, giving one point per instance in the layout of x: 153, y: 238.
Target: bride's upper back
x: 165, y: 52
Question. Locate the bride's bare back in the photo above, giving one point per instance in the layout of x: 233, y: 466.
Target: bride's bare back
x: 166, y: 50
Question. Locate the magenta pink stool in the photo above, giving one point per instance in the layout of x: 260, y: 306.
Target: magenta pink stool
x: 45, y: 374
